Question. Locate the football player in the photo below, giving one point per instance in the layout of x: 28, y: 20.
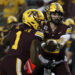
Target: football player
x: 4, y: 32
x: 69, y: 21
x: 20, y: 38
x: 11, y: 22
x: 53, y: 30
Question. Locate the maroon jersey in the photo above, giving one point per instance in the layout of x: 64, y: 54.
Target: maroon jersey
x: 5, y: 32
x: 49, y: 34
x: 20, y: 41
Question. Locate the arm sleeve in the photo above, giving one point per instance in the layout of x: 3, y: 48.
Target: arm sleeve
x: 34, y: 50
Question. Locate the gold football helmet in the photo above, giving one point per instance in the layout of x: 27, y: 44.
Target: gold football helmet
x: 11, y: 19
x: 32, y: 18
x: 54, y: 7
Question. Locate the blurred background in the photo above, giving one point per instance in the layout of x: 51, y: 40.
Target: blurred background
x: 17, y: 7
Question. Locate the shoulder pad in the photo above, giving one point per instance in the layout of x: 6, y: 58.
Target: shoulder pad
x: 39, y: 34
x: 65, y: 24
x: 69, y: 30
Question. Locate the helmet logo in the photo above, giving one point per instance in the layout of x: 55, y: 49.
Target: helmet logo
x: 34, y: 14
x: 45, y: 27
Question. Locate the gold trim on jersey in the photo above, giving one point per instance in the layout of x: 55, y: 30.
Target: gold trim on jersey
x: 17, y: 27
x: 69, y: 43
x: 28, y: 30
x: 55, y: 52
x: 18, y: 66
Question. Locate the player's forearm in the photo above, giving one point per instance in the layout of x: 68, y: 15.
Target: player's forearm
x: 68, y: 55
x: 34, y: 54
x: 6, y: 40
